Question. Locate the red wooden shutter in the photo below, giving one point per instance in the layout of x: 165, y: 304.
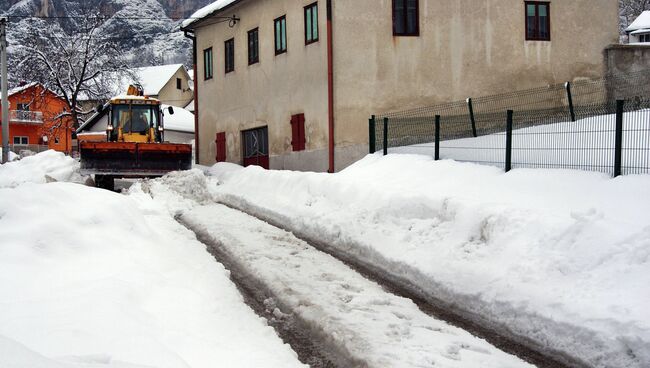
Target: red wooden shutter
x: 301, y: 132
x: 221, y: 147
x: 298, y: 132
x: 294, y: 133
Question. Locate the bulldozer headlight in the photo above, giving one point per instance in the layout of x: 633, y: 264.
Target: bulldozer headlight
x: 109, y: 127
x: 160, y: 128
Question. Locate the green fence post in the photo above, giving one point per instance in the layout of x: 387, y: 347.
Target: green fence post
x: 385, y: 136
x: 569, y: 97
x: 618, y: 143
x: 437, y: 151
x: 509, y: 141
x: 471, y: 116
x: 372, y: 139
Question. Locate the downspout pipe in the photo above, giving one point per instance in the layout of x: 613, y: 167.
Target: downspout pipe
x: 330, y: 86
x: 190, y: 34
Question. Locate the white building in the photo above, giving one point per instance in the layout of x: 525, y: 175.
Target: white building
x: 639, y: 30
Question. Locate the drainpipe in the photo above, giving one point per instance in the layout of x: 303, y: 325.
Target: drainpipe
x: 192, y: 36
x: 330, y: 86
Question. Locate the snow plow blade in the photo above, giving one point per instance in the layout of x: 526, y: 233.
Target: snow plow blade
x: 128, y: 159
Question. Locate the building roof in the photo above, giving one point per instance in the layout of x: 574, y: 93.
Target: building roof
x: 643, y: 21
x: 20, y: 89
x: 181, y: 121
x: 88, y: 124
x: 154, y: 78
x: 207, y: 11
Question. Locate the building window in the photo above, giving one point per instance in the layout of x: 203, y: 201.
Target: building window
x: 644, y: 38
x: 178, y: 83
x: 253, y: 46
x: 207, y: 63
x: 221, y: 147
x: 311, y: 23
x: 56, y: 140
x: 280, y: 35
x: 538, y: 21
x: 21, y: 140
x: 406, y: 18
x: 229, y: 55
x: 298, y: 132
x: 22, y: 107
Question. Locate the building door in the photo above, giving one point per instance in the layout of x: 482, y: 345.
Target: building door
x: 256, y: 147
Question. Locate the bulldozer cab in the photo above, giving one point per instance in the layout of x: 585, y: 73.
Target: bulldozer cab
x: 135, y: 119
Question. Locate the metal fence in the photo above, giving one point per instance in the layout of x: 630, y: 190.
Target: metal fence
x: 600, y: 125
x: 21, y: 149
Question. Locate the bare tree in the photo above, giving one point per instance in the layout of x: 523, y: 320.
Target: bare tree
x: 77, y: 63
x: 629, y: 10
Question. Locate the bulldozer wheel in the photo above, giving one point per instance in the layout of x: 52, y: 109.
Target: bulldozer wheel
x: 105, y: 182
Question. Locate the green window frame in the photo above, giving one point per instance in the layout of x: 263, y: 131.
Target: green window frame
x: 311, y: 23
x: 208, y: 69
x: 280, y: 27
x: 253, y: 46
x: 229, y: 55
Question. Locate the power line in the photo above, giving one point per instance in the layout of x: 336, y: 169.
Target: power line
x: 225, y: 19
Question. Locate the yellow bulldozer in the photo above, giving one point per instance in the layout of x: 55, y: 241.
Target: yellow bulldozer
x: 134, y: 145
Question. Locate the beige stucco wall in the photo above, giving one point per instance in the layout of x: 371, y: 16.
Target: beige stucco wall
x: 170, y: 95
x: 266, y: 93
x: 466, y: 48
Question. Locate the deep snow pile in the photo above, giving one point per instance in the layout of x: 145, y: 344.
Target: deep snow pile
x: 560, y: 256
x: 36, y: 169
x: 94, y: 278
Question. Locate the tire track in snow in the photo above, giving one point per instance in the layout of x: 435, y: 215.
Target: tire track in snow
x: 309, y: 346
x: 351, y: 321
x: 526, y: 349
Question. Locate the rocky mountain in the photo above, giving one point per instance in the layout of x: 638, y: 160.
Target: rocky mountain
x: 147, y: 29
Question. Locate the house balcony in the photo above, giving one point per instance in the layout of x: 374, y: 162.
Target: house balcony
x: 30, y: 117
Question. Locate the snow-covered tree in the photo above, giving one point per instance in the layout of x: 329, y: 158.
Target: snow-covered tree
x: 76, y: 62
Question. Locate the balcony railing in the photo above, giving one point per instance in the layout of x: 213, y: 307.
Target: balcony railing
x: 35, y: 117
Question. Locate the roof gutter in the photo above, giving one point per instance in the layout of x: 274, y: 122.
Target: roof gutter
x: 330, y: 86
x: 190, y: 34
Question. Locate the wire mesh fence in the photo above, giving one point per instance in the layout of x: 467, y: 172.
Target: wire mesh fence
x: 572, y: 125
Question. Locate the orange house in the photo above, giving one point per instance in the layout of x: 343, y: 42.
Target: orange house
x: 36, y: 121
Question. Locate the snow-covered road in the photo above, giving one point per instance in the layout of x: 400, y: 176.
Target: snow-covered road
x: 356, y: 316
x: 353, y: 317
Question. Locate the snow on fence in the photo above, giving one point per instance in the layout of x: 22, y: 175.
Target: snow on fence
x: 603, y: 125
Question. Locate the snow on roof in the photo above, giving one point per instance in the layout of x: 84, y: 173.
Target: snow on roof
x: 206, y: 11
x: 643, y: 21
x: 19, y: 89
x: 641, y: 31
x: 181, y: 121
x: 154, y: 78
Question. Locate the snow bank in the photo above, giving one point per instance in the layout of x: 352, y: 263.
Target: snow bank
x: 94, y: 278
x: 33, y: 169
x: 560, y: 256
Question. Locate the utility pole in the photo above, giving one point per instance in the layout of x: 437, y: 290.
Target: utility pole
x: 5, y: 97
